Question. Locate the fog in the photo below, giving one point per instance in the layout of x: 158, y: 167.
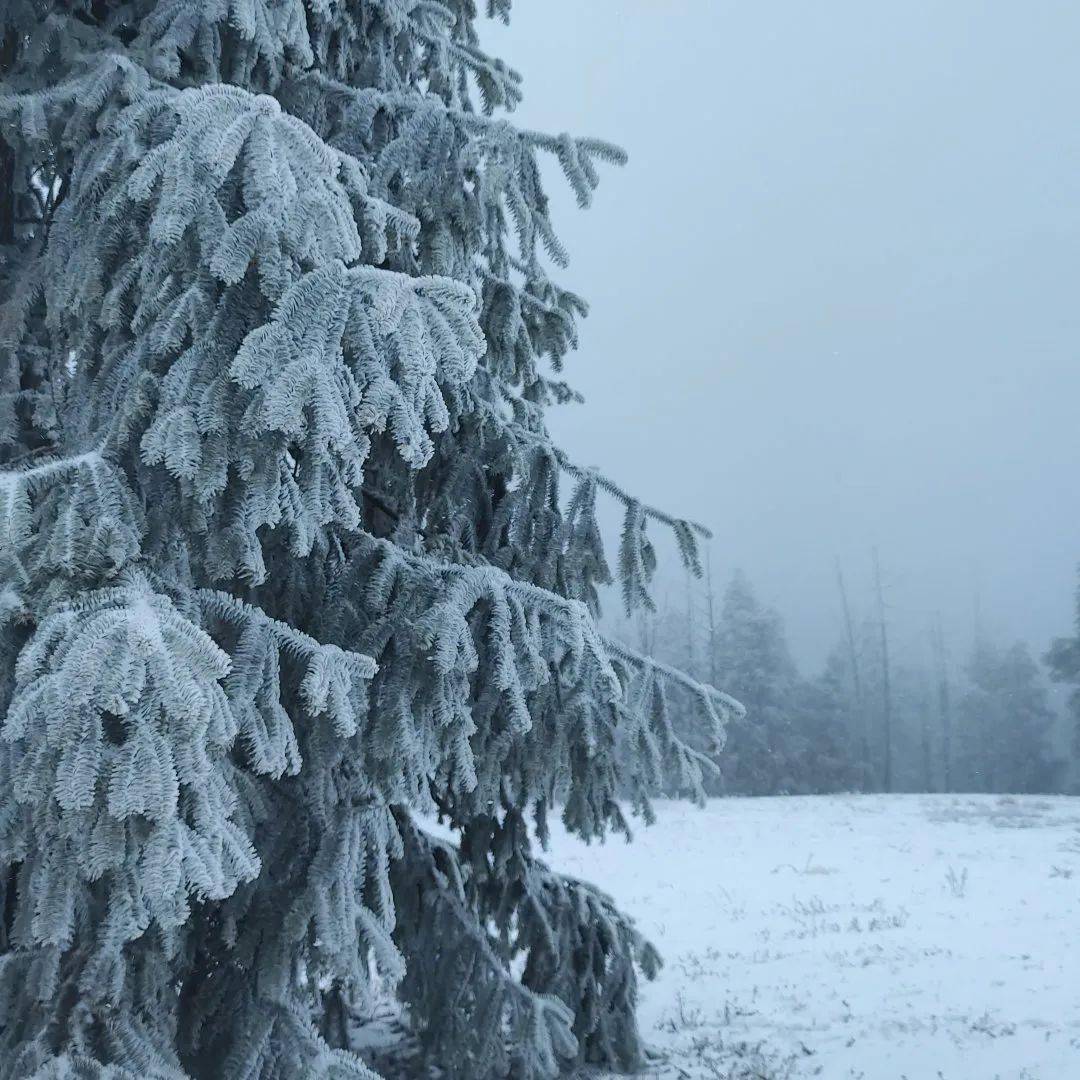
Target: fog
x: 834, y: 292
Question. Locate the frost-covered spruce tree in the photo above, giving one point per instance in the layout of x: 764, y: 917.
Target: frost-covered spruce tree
x: 288, y: 563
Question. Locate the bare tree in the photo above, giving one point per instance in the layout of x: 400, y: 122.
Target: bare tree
x: 8, y: 53
x: 647, y: 632
x: 944, y: 704
x: 886, y: 690
x: 923, y: 703
x: 856, y: 679
x: 691, y: 651
x: 713, y: 679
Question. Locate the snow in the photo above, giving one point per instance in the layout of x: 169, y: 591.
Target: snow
x: 905, y: 937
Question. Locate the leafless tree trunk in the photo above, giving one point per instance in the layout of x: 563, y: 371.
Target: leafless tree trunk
x: 856, y: 681
x: 886, y: 689
x: 8, y: 52
x: 944, y: 705
x: 647, y: 632
x: 691, y: 651
x: 713, y: 681
x: 924, y: 732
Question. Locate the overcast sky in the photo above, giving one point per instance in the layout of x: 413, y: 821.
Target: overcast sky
x: 835, y: 293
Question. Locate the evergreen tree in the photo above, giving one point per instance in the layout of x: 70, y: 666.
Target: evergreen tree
x: 798, y: 735
x: 285, y: 562
x: 914, y: 742
x: 763, y: 751
x: 1063, y: 660
x: 827, y: 733
x: 1006, y: 723
x: 873, y: 672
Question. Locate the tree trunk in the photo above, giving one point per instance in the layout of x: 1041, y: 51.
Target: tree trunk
x: 856, y: 681
x: 8, y: 52
x: 886, y: 690
x: 691, y: 652
x: 927, y: 758
x: 944, y: 706
x: 713, y: 677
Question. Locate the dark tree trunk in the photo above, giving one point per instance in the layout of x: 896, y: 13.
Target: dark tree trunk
x: 8, y: 52
x: 886, y: 689
x: 858, y: 702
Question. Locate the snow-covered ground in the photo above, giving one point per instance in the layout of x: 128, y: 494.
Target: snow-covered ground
x: 899, y: 937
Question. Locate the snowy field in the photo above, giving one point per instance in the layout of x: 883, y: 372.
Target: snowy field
x: 872, y: 937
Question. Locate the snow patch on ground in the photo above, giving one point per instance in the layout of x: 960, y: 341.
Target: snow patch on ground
x: 904, y: 937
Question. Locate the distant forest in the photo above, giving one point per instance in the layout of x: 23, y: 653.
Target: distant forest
x: 974, y: 716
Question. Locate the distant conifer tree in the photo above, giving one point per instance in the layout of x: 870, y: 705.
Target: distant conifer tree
x: 1007, y: 722
x: 285, y: 562
x: 763, y: 753
x: 1063, y: 659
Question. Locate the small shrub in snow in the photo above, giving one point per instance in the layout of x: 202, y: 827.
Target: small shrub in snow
x: 957, y: 883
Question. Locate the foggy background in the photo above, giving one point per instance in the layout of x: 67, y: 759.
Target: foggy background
x: 834, y: 293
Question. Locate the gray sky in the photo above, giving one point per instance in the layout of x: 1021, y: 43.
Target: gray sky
x: 835, y: 292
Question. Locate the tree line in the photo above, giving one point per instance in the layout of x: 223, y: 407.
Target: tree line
x: 973, y: 717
